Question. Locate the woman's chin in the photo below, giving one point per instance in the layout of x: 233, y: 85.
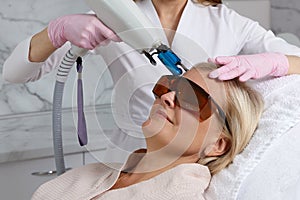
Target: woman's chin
x: 151, y: 127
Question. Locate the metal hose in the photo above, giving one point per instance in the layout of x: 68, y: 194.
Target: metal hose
x: 57, y: 128
x: 61, y: 77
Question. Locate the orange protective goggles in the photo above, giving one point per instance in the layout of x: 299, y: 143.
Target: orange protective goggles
x: 189, y: 96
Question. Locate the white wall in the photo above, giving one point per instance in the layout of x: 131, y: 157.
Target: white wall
x: 285, y: 15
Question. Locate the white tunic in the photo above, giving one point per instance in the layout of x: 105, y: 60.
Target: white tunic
x: 203, y: 31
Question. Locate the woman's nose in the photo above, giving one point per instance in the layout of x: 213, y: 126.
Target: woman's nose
x: 168, y: 99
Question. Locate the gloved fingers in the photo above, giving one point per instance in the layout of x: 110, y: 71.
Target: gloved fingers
x: 90, y: 41
x: 93, y: 42
x: 115, y: 38
x: 211, y: 60
x: 222, y: 60
x: 92, y: 37
x: 98, y: 36
x: 86, y: 41
x: 101, y: 39
x: 233, y: 73
x: 112, y: 36
x: 223, y: 70
x: 106, y: 32
x: 85, y: 44
x: 247, y: 75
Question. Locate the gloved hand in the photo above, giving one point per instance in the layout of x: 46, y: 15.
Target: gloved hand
x: 250, y: 66
x: 83, y: 30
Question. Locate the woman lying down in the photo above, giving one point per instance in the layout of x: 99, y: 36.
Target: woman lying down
x: 195, y: 128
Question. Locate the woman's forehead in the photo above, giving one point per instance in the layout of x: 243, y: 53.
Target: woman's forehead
x: 212, y: 86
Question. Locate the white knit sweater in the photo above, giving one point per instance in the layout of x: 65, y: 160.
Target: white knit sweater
x: 93, y: 181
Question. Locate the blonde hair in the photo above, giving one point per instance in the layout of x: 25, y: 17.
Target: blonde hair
x: 243, y: 109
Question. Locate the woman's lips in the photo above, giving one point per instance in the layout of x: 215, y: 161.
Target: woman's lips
x: 164, y: 115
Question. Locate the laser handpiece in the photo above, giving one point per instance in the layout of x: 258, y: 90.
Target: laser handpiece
x: 135, y: 29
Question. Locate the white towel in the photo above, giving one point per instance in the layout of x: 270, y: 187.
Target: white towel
x: 277, y: 175
x: 282, y: 111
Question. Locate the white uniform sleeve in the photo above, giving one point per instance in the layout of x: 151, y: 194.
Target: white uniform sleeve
x: 18, y: 69
x: 253, y: 38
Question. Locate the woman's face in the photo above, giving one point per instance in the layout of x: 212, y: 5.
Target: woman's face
x: 177, y: 130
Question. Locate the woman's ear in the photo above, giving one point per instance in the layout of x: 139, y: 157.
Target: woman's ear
x: 221, y: 146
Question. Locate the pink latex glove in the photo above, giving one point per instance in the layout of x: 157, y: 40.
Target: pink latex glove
x: 250, y: 66
x: 83, y: 30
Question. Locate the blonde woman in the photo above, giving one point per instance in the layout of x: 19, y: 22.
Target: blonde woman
x: 195, y: 128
